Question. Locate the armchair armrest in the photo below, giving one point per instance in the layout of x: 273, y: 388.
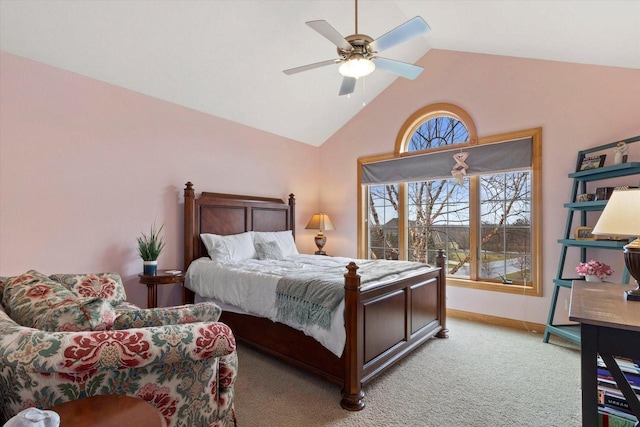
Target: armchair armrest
x: 78, y: 353
x: 130, y: 316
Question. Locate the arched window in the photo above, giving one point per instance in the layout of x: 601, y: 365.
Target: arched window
x: 438, y: 132
x: 443, y: 188
x: 437, y: 126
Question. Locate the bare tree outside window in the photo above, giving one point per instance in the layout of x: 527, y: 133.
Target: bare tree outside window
x: 439, y: 216
x: 383, y: 220
x: 505, y: 226
x: 438, y: 132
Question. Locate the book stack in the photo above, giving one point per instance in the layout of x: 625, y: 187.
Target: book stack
x: 613, y: 409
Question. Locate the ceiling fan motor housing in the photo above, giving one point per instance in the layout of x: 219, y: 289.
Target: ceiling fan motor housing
x: 360, y: 44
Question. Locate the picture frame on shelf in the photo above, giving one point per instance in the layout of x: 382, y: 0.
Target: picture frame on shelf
x: 604, y: 193
x: 592, y: 162
x: 581, y: 198
x: 584, y: 233
x: 621, y: 153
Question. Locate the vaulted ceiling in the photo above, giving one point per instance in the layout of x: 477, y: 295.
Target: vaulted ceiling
x: 225, y: 57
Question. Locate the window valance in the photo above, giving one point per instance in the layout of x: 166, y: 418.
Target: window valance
x: 483, y: 159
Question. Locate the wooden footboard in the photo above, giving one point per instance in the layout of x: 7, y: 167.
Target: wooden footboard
x: 383, y: 322
x: 386, y: 322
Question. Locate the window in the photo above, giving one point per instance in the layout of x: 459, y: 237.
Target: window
x: 445, y: 189
x: 383, y: 211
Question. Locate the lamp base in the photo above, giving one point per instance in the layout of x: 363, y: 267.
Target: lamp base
x: 320, y: 240
x: 632, y: 262
x: 633, y: 295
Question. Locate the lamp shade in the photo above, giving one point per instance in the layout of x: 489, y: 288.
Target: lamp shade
x: 320, y: 222
x: 621, y: 215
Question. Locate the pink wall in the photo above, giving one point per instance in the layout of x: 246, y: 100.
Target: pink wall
x: 86, y: 166
x: 577, y: 106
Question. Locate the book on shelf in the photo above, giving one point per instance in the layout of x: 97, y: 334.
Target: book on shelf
x: 608, y: 417
x: 630, y: 366
x: 606, y: 383
x: 613, y: 389
x: 632, y: 379
x: 633, y: 363
x: 613, y: 399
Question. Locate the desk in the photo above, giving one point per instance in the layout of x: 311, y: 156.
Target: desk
x: 109, y: 410
x: 164, y: 277
x: 610, y: 326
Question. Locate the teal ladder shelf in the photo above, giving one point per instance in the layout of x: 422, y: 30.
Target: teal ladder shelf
x: 571, y: 332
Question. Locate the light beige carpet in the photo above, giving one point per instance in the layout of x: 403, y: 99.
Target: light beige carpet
x: 481, y: 375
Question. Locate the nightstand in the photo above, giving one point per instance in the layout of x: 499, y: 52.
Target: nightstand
x: 163, y: 277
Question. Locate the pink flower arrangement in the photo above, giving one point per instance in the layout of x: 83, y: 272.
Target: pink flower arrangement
x: 594, y: 268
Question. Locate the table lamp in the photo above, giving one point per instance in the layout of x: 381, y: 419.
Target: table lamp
x: 320, y: 222
x: 621, y: 218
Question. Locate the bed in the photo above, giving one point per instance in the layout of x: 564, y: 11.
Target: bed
x: 383, y: 322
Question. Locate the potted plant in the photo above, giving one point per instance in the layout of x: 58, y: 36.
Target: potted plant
x: 594, y: 270
x: 149, y: 248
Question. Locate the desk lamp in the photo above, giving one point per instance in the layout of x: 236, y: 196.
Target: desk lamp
x: 320, y: 222
x: 621, y: 218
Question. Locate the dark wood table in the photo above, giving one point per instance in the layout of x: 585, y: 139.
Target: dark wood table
x: 610, y: 326
x: 110, y: 410
x: 163, y: 277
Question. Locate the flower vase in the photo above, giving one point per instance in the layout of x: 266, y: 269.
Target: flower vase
x: 617, y: 158
x: 150, y: 268
x: 592, y: 278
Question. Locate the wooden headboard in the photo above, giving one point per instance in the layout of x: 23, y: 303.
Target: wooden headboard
x: 224, y: 214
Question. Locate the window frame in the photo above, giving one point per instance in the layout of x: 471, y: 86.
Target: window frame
x: 401, y: 144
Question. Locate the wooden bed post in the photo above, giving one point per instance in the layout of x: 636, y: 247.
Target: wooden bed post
x: 352, y: 393
x: 189, y: 226
x: 442, y: 294
x: 292, y: 214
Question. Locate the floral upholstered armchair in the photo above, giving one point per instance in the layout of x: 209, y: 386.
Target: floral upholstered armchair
x: 65, y: 337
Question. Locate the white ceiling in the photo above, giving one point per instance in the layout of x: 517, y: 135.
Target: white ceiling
x: 225, y: 57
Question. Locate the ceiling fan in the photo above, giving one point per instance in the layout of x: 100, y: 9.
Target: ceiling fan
x: 357, y: 53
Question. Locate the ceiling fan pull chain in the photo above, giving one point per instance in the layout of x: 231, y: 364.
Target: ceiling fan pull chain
x: 364, y: 92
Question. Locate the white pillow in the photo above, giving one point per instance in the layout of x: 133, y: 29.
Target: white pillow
x: 284, y: 239
x: 234, y: 247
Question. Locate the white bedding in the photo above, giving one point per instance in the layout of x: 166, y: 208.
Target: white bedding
x: 249, y: 286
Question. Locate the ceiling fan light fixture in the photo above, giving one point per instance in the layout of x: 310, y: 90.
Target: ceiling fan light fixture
x: 357, y: 66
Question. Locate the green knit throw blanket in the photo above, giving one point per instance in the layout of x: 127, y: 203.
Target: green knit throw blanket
x: 306, y: 299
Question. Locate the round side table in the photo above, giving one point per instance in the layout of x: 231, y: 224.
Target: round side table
x: 163, y: 277
x: 109, y: 410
